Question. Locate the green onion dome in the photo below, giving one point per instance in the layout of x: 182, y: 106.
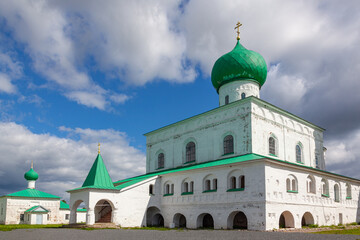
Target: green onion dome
x: 31, y: 175
x: 239, y: 64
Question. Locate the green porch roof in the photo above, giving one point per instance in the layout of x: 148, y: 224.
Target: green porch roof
x: 64, y: 205
x: 98, y: 177
x: 32, y: 193
x: 34, y: 208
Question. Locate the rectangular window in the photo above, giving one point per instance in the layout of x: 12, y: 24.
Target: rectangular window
x: 21, y: 217
x: 67, y: 216
x: 2, y: 211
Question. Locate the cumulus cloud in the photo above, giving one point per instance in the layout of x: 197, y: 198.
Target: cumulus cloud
x: 63, y: 163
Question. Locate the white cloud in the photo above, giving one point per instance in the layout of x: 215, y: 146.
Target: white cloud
x: 6, y: 85
x: 63, y: 163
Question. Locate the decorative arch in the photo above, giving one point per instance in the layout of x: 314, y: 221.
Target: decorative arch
x: 187, y: 186
x: 291, y: 184
x: 103, y: 211
x: 307, y: 219
x: 154, y: 217
x: 205, y: 220
x: 73, y: 210
x: 179, y: 220
x: 237, y: 220
x: 236, y: 180
x: 168, y: 188
x: 324, y: 187
x: 310, y: 184
x: 286, y: 220
x: 210, y: 183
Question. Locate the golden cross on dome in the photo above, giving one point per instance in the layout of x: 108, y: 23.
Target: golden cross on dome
x: 98, y: 148
x: 32, y: 164
x: 238, y: 25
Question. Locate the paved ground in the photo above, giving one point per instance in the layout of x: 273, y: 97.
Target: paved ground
x: 107, y: 234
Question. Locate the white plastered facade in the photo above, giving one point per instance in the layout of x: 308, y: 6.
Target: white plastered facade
x: 265, y: 199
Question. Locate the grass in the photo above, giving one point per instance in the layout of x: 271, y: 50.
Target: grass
x: 27, y: 226
x: 354, y: 231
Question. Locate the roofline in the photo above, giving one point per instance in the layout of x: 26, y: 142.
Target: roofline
x: 274, y: 160
x: 247, y: 99
x: 30, y: 197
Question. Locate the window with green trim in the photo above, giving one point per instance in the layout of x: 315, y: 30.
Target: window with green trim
x: 299, y: 154
x: 348, y: 191
x: 291, y: 184
x: 324, y: 187
x: 272, y: 146
x: 336, y: 193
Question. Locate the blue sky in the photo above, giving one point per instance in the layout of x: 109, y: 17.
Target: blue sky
x: 73, y: 74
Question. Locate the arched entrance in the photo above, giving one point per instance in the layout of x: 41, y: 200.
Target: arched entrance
x: 205, y: 220
x: 286, y: 220
x: 237, y: 220
x: 154, y: 218
x: 307, y: 219
x: 73, y: 211
x: 103, y: 212
x: 179, y: 220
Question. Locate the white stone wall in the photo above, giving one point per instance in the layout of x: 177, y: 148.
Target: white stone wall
x: 17, y: 206
x: 219, y: 204
x: 2, y: 210
x: 325, y: 210
x: 236, y: 88
x: 288, y: 132
x: 207, y: 131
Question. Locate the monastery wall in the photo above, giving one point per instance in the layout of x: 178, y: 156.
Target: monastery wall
x: 320, y: 209
x: 207, y: 131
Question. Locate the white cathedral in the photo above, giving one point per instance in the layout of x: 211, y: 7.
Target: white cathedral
x: 245, y: 164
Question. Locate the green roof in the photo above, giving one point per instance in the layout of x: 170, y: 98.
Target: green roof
x: 64, y: 205
x: 98, y: 176
x: 239, y: 64
x: 130, y: 181
x: 32, y: 193
x: 34, y: 208
x: 237, y: 159
x: 67, y: 207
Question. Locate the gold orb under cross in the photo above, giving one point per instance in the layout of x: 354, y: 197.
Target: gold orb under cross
x: 238, y: 25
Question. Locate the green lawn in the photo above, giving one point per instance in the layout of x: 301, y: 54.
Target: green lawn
x: 354, y: 231
x: 26, y: 226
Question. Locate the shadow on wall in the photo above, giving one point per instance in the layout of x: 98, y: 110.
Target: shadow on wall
x: 358, y: 209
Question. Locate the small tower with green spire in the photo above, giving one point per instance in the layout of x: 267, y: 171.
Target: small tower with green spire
x: 31, y: 176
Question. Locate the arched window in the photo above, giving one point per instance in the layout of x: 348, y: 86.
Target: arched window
x: 214, y: 184
x: 226, y: 99
x: 272, y: 146
x: 233, y: 183
x: 228, y: 144
x: 243, y: 95
x: 167, y: 189
x: 336, y: 193
x: 172, y: 189
x: 190, y: 152
x: 291, y: 184
x: 151, y: 189
x: 207, y: 185
x: 161, y: 160
x: 324, y: 188
x: 299, y: 153
x: 187, y: 187
x: 348, y: 191
x: 242, y: 181
x: 310, y: 184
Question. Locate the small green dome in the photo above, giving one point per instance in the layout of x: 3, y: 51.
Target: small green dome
x: 239, y: 64
x: 31, y: 175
